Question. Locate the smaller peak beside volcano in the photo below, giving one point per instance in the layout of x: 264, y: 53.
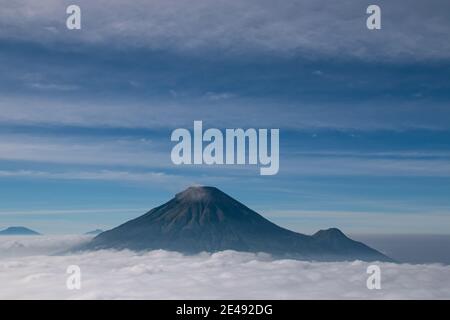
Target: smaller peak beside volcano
x: 331, y: 233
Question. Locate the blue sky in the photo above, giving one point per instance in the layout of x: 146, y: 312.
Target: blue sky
x: 86, y: 116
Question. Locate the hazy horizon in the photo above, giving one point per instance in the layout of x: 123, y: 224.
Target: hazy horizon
x: 31, y: 267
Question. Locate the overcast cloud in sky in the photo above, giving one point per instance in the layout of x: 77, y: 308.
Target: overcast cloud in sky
x: 86, y: 115
x: 411, y: 29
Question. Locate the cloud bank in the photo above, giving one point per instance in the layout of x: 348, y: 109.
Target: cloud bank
x: 223, y: 275
x: 410, y: 29
x: 16, y: 246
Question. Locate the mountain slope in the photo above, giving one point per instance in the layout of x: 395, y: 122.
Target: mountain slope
x: 206, y: 219
x: 18, y: 231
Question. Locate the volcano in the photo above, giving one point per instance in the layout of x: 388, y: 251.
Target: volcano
x: 18, y: 231
x: 206, y: 219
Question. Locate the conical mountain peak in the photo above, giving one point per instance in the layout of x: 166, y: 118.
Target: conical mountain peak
x: 199, y: 193
x: 203, y: 218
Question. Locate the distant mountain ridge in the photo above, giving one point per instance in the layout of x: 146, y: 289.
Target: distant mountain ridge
x: 206, y: 219
x: 94, y: 232
x: 18, y: 231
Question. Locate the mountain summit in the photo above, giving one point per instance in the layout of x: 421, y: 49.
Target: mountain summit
x: 206, y: 219
x: 18, y: 231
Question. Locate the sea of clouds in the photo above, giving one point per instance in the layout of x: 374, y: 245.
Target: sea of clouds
x: 34, y: 268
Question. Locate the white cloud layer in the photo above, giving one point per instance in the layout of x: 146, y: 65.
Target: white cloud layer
x: 15, y: 246
x: 410, y: 29
x: 226, y: 275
